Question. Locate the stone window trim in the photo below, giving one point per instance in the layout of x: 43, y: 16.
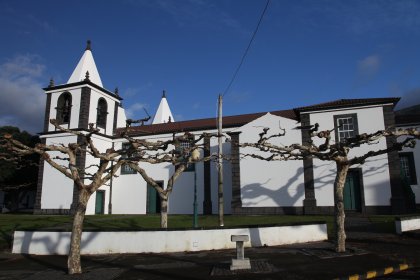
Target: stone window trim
x: 351, y: 128
x: 186, y: 144
x: 64, y: 104
x: 125, y: 168
x: 101, y: 113
x: 408, y: 167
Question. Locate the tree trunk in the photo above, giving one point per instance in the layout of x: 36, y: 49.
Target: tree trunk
x: 163, y: 211
x: 73, y: 261
x: 339, y: 215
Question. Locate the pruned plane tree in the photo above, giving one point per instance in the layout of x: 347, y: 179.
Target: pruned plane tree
x: 321, y: 146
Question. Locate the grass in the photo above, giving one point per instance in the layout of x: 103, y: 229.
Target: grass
x: 383, y: 223
x: 11, y: 222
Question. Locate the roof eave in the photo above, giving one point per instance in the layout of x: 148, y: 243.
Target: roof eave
x: 85, y: 82
x: 362, y: 102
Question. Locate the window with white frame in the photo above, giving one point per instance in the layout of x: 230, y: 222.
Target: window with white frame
x: 345, y: 126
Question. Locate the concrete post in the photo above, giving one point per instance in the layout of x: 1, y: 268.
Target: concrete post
x: 240, y: 262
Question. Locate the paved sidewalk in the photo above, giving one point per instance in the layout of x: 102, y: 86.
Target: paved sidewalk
x: 368, y: 252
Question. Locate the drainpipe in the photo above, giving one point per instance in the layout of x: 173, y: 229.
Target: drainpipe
x: 110, y: 188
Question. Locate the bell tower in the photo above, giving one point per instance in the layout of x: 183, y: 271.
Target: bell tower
x: 82, y: 100
x: 75, y: 105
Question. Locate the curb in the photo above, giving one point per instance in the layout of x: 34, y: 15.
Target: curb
x: 376, y: 273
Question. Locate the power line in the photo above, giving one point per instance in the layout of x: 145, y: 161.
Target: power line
x: 246, y: 50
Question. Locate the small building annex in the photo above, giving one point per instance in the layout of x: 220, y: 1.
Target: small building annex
x: 250, y: 186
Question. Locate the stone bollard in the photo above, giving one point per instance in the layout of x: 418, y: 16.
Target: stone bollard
x: 240, y: 262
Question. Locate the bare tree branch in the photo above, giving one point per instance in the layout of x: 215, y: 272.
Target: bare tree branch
x: 328, y: 151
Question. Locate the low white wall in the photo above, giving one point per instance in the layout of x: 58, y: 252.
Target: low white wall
x: 407, y: 224
x: 160, y: 241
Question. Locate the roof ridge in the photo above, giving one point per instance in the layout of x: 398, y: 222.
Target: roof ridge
x: 348, y: 102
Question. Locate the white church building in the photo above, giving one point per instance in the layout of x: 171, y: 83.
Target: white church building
x: 251, y: 186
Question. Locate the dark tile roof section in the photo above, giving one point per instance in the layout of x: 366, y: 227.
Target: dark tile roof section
x: 240, y: 120
x: 81, y: 83
x: 201, y: 124
x: 345, y: 103
x: 407, y: 120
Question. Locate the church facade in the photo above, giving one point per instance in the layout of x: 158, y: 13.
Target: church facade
x: 250, y: 186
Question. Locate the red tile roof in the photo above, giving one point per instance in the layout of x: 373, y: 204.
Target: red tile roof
x: 202, y: 124
x: 240, y: 120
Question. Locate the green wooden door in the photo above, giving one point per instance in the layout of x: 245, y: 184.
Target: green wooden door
x: 100, y: 202
x: 352, y: 195
x: 153, y: 200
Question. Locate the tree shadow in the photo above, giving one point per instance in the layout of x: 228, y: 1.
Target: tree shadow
x: 281, y: 196
x: 51, y: 242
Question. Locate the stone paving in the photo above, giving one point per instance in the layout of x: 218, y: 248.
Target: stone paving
x: 367, y: 252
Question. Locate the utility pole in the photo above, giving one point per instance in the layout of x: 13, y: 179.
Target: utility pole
x: 220, y: 162
x: 195, y: 220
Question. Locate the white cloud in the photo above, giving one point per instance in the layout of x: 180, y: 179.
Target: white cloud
x: 369, y: 66
x: 132, y: 112
x: 238, y: 97
x: 178, y: 117
x: 22, y: 101
x: 130, y: 92
x: 367, y: 69
x: 196, y: 106
x: 196, y: 12
x: 20, y: 67
x: 357, y: 16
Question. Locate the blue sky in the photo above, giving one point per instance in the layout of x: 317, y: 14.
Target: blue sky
x: 305, y: 52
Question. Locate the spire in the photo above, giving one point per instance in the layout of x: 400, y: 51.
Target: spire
x: 51, y: 82
x: 163, y: 113
x: 88, y: 46
x: 87, y: 76
x: 86, y: 64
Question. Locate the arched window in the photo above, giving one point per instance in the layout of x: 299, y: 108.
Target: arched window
x: 102, y: 112
x: 64, y: 108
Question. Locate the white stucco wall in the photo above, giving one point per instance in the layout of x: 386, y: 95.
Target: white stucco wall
x: 48, y: 243
x: 130, y: 190
x: 376, y: 184
x: 129, y: 195
x: 101, y: 143
x: 227, y: 178
x: 57, y: 190
x: 121, y: 117
x: 416, y: 155
x: 274, y: 183
x: 182, y: 197
x: 407, y: 224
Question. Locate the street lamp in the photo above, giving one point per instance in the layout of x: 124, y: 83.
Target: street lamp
x: 195, y: 155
